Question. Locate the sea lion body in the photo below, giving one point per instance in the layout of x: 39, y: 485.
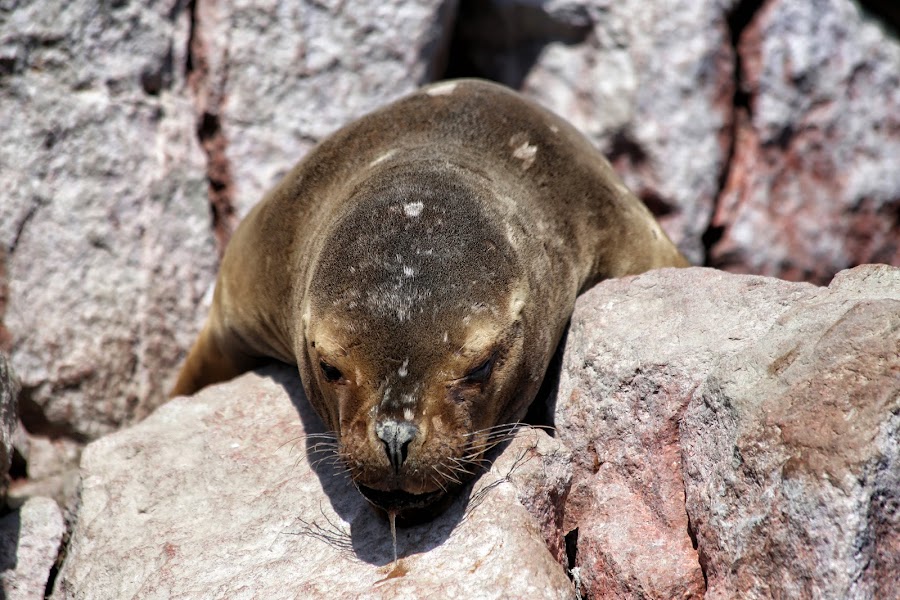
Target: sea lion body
x: 419, y: 266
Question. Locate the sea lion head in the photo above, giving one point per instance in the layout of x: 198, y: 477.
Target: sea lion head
x: 414, y: 333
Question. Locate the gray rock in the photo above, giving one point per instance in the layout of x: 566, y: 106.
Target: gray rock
x: 30, y: 541
x: 814, y: 185
x: 213, y: 496
x: 104, y: 211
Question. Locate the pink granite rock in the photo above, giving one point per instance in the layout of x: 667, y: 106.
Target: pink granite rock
x: 792, y: 451
x: 814, y: 185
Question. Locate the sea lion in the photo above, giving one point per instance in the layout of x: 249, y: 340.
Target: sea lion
x: 420, y: 266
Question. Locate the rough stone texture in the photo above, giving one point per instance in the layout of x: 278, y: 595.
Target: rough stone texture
x: 792, y: 451
x: 650, y: 83
x: 814, y: 186
x: 213, y: 496
x: 29, y: 543
x: 104, y: 211
x: 641, y: 349
x: 9, y: 391
x: 636, y: 350
x: 51, y: 469
x: 275, y: 77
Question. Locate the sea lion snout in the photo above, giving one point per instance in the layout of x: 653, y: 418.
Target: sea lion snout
x: 396, y: 437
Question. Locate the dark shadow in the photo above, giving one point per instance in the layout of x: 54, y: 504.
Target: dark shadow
x: 502, y: 41
x: 370, y: 532
x: 542, y: 412
x: 10, y: 530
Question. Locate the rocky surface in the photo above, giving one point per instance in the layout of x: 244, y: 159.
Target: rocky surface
x: 764, y: 133
x: 641, y: 405
x: 714, y: 433
x: 9, y: 389
x: 272, y: 78
x: 104, y: 213
x: 213, y: 496
x: 792, y: 451
x: 30, y: 539
x: 814, y: 185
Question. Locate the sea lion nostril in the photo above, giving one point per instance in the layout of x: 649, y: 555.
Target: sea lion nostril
x: 396, y: 437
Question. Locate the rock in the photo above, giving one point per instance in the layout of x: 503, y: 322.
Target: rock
x: 636, y: 350
x: 51, y: 469
x: 275, y: 77
x: 650, y: 83
x: 29, y: 544
x: 792, y: 451
x: 814, y: 185
x: 213, y: 496
x: 104, y: 212
x: 9, y: 392
x: 632, y: 407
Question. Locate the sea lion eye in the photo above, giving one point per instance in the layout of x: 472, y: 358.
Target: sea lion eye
x: 331, y: 373
x: 482, y: 372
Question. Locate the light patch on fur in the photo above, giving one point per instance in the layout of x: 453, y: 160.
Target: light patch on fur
x: 413, y: 209
x: 441, y: 89
x: 407, y: 400
x: 408, y: 271
x: 445, y: 337
x: 403, y: 370
x: 523, y: 149
x: 383, y: 157
x: 408, y: 414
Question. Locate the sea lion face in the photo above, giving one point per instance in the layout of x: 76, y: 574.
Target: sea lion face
x: 413, y: 336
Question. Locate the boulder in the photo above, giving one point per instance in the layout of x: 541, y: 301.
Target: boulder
x: 104, y: 213
x: 650, y: 83
x: 30, y: 539
x: 792, y: 451
x: 227, y: 495
x: 814, y: 185
x: 685, y: 479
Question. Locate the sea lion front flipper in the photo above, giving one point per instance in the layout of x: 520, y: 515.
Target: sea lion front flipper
x: 216, y: 356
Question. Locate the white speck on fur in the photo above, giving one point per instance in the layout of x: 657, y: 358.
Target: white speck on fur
x: 408, y: 414
x: 383, y: 157
x: 413, y: 209
x: 445, y: 337
x: 402, y: 371
x: 526, y: 153
x: 408, y: 271
x: 441, y: 89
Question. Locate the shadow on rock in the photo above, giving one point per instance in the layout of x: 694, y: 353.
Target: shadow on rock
x: 370, y: 531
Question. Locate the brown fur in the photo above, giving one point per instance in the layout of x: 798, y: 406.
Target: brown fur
x: 455, y: 225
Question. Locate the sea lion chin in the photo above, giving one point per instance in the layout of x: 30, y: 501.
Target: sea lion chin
x: 419, y: 266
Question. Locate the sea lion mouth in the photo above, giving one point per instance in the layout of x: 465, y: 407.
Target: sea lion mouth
x: 399, y: 501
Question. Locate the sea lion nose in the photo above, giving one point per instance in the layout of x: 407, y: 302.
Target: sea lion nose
x: 396, y: 436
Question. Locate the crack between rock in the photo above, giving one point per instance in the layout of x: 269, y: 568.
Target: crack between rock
x: 212, y: 139
x: 737, y: 19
